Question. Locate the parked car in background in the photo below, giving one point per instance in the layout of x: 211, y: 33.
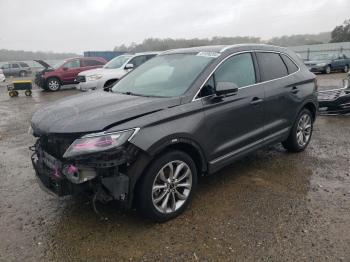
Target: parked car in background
x: 2, y: 76
x: 53, y: 77
x: 16, y: 69
x: 327, y: 63
x: 112, y: 71
x: 183, y: 114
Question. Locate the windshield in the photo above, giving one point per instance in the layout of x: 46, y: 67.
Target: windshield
x: 322, y: 57
x: 117, y: 62
x: 57, y: 65
x: 164, y: 76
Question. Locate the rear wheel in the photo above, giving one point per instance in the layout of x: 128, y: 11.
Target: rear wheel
x: 346, y: 69
x: 28, y: 92
x: 53, y: 84
x: 23, y: 74
x: 167, y: 186
x: 301, y: 132
x: 328, y: 70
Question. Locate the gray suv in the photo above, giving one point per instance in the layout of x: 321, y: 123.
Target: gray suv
x: 183, y: 114
x: 16, y: 69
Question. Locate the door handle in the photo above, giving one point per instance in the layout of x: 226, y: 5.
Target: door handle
x: 295, y: 90
x: 256, y: 101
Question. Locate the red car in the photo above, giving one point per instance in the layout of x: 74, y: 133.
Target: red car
x: 53, y: 77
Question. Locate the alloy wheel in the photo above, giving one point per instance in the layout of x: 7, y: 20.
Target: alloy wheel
x: 304, y: 130
x: 53, y: 85
x: 171, y: 187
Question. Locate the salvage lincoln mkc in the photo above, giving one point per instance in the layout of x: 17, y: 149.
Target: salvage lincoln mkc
x: 183, y: 114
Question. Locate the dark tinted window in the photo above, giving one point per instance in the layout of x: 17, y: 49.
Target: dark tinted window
x: 290, y: 64
x: 23, y: 64
x: 138, y: 60
x: 14, y: 66
x: 271, y: 66
x: 92, y: 62
x: 238, y: 69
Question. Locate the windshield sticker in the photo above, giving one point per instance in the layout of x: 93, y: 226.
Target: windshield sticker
x: 208, y: 54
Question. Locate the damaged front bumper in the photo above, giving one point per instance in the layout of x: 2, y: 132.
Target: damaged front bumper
x: 334, y: 101
x: 101, y: 176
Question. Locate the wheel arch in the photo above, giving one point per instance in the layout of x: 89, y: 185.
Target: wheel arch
x: 110, y: 81
x: 312, y: 107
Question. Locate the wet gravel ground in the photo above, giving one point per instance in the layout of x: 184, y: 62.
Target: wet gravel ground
x: 270, y: 206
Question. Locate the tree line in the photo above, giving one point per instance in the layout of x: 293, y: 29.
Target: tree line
x: 20, y: 55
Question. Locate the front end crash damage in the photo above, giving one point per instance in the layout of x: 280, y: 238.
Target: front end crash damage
x: 104, y: 175
x: 335, y: 101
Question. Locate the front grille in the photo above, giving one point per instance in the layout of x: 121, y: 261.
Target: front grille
x: 80, y: 79
x: 55, y: 145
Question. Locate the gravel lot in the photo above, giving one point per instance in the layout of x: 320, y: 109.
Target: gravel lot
x: 270, y: 206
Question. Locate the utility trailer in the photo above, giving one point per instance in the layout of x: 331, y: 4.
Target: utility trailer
x: 22, y: 85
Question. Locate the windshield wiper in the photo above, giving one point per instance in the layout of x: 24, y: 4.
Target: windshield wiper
x: 135, y: 94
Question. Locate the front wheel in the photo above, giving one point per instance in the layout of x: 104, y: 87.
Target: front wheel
x: 167, y: 186
x: 300, y: 134
x: 53, y: 84
x: 23, y: 74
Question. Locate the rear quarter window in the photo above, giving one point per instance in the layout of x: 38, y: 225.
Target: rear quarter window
x: 291, y: 66
x: 92, y: 62
x: 271, y: 66
x: 24, y: 64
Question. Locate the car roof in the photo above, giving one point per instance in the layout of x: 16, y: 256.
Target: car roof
x: 148, y: 53
x: 224, y: 48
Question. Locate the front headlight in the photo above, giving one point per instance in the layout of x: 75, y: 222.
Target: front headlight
x: 98, y: 142
x: 94, y: 77
x: 321, y: 64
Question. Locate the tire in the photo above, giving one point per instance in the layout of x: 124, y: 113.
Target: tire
x: 23, y: 74
x: 53, y: 84
x: 109, y: 84
x: 150, y: 201
x: 328, y: 70
x: 301, y: 132
x: 346, y: 69
x: 28, y: 92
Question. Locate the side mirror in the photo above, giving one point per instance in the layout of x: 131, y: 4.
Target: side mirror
x: 225, y: 88
x: 129, y: 67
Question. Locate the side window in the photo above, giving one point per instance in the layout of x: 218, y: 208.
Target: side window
x: 72, y: 64
x: 208, y: 89
x: 291, y: 66
x: 138, y: 60
x: 23, y: 64
x: 238, y: 69
x: 271, y: 66
x: 14, y: 66
x: 91, y: 62
x: 5, y: 66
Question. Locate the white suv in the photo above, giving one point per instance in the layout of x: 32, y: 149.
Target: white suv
x: 111, y: 72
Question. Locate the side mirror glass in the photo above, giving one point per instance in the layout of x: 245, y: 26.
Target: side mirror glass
x: 129, y: 66
x: 224, y: 88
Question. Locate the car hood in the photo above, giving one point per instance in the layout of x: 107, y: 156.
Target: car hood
x: 94, y: 112
x: 102, y: 71
x: 43, y: 63
x: 316, y: 62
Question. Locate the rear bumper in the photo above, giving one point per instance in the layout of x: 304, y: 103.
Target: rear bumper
x: 317, y: 69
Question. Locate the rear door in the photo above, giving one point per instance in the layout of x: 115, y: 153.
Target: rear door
x: 281, y: 92
x: 234, y: 122
x: 15, y: 69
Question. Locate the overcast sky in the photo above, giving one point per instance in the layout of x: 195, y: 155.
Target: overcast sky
x: 78, y: 25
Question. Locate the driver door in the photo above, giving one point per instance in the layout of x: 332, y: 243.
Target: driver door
x: 70, y: 70
x: 234, y: 122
